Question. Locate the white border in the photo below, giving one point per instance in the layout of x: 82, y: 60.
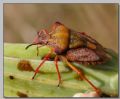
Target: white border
x: 37, y: 1
x: 61, y: 1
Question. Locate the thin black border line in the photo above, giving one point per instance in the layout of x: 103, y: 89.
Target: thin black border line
x: 118, y: 50
x: 65, y: 97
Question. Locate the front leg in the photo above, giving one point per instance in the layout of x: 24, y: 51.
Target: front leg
x: 43, y: 61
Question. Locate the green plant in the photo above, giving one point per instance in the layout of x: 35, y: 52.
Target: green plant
x: 18, y: 83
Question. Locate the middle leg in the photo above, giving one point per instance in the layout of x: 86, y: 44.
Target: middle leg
x: 56, y: 64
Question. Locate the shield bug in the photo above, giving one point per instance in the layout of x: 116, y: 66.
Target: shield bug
x: 70, y: 46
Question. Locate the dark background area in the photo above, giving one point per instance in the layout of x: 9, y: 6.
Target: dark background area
x: 22, y: 21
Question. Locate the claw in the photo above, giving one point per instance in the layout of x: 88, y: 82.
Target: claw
x: 60, y: 82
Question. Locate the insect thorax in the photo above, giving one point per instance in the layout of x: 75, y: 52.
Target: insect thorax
x: 59, y: 40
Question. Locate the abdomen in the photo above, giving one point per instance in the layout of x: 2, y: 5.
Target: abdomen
x: 82, y: 54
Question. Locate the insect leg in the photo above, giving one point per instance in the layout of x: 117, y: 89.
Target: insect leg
x: 56, y: 64
x: 80, y: 73
x: 45, y: 58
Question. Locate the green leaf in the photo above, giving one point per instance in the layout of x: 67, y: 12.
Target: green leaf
x: 18, y: 83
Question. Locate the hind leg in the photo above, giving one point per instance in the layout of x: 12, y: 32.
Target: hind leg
x: 80, y: 73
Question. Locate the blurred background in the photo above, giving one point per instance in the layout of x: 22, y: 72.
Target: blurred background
x: 22, y: 21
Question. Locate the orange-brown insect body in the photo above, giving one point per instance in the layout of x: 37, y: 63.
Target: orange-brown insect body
x: 77, y: 46
x: 73, y: 46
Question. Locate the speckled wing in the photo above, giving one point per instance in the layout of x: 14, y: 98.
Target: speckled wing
x: 79, y: 40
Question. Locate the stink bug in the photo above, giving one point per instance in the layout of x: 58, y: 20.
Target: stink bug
x: 70, y: 46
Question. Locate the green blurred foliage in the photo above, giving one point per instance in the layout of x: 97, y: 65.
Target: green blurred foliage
x: 22, y: 21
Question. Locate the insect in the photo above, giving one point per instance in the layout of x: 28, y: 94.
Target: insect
x: 70, y: 46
